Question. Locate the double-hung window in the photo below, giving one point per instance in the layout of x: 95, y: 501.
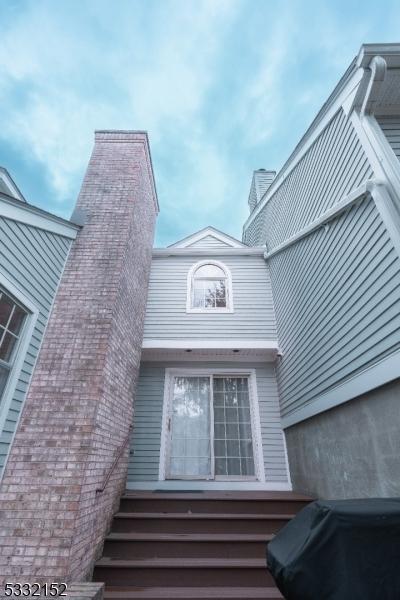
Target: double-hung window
x: 12, y: 318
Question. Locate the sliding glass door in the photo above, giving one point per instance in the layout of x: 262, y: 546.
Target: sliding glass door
x: 210, y: 428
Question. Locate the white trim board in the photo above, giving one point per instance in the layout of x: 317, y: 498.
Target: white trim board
x: 371, y: 378
x: 247, y: 486
x: 230, y: 344
x: 222, y: 251
x: 30, y: 215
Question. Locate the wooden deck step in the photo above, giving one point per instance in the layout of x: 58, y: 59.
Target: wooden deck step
x: 204, y: 545
x: 189, y: 545
x: 183, y: 572
x: 191, y: 593
x: 199, y: 522
x: 238, y: 502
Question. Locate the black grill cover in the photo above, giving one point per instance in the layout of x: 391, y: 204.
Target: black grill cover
x: 339, y: 550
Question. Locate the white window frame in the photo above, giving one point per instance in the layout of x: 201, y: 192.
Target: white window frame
x: 228, y: 290
x: 22, y: 346
x: 170, y: 374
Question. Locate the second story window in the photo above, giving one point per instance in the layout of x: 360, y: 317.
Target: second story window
x: 12, y: 317
x: 209, y: 288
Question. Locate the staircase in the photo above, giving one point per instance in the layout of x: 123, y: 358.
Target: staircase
x: 199, y: 545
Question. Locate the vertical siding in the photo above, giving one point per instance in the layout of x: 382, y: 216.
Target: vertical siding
x: 337, y: 299
x: 33, y: 260
x: 334, y: 165
x: 391, y: 128
x: 146, y: 436
x: 253, y: 316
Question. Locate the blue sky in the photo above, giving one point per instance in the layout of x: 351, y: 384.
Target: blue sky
x: 222, y: 86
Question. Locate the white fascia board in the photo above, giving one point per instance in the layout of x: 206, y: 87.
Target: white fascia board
x: 243, y: 251
x: 208, y: 231
x: 30, y: 215
x: 326, y: 114
x: 371, y: 378
x: 183, y: 344
x: 390, y: 52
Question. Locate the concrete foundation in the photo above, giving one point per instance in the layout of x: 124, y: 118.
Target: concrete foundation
x: 351, y: 451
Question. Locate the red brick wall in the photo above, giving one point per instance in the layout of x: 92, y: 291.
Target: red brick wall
x: 79, y: 406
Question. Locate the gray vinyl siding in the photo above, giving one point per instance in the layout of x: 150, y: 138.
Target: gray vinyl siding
x: 33, y: 260
x: 146, y: 436
x: 391, y: 128
x: 337, y: 291
x: 337, y: 300
x: 253, y: 316
x: 334, y: 165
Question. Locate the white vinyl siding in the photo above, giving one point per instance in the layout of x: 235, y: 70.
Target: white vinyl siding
x: 253, y: 316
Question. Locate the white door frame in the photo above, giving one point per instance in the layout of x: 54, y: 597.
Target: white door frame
x: 170, y: 373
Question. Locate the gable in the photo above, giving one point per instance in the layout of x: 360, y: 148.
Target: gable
x: 8, y: 185
x: 209, y: 241
x: 209, y: 237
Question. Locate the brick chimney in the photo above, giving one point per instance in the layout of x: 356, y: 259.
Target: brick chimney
x: 79, y: 406
x: 260, y: 183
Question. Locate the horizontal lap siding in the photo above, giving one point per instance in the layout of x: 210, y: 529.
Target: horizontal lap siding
x: 334, y: 165
x: 33, y: 260
x: 208, y: 242
x: 253, y: 316
x: 337, y: 291
x: 391, y: 128
x: 146, y: 435
x: 338, y: 305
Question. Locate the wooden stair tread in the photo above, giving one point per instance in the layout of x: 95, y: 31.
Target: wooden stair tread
x: 184, y: 563
x: 204, y: 516
x: 195, y: 593
x: 231, y: 496
x: 190, y: 537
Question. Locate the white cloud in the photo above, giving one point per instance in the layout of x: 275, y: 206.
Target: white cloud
x: 90, y: 71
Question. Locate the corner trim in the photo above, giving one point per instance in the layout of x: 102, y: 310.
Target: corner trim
x: 384, y: 371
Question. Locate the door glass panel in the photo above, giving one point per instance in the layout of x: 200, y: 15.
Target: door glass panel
x: 233, y: 444
x: 190, y: 428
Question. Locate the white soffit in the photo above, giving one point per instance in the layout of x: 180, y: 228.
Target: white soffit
x: 185, y: 350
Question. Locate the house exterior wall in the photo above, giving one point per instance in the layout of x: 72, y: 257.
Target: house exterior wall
x: 337, y: 307
x: 253, y: 316
x: 147, y: 422
x: 32, y: 260
x: 351, y: 451
x: 391, y: 128
x: 79, y: 406
x: 334, y: 165
x: 336, y: 290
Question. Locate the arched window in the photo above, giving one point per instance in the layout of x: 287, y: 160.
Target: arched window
x: 209, y: 288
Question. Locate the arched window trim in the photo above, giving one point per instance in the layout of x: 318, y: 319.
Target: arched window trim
x: 229, y: 294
